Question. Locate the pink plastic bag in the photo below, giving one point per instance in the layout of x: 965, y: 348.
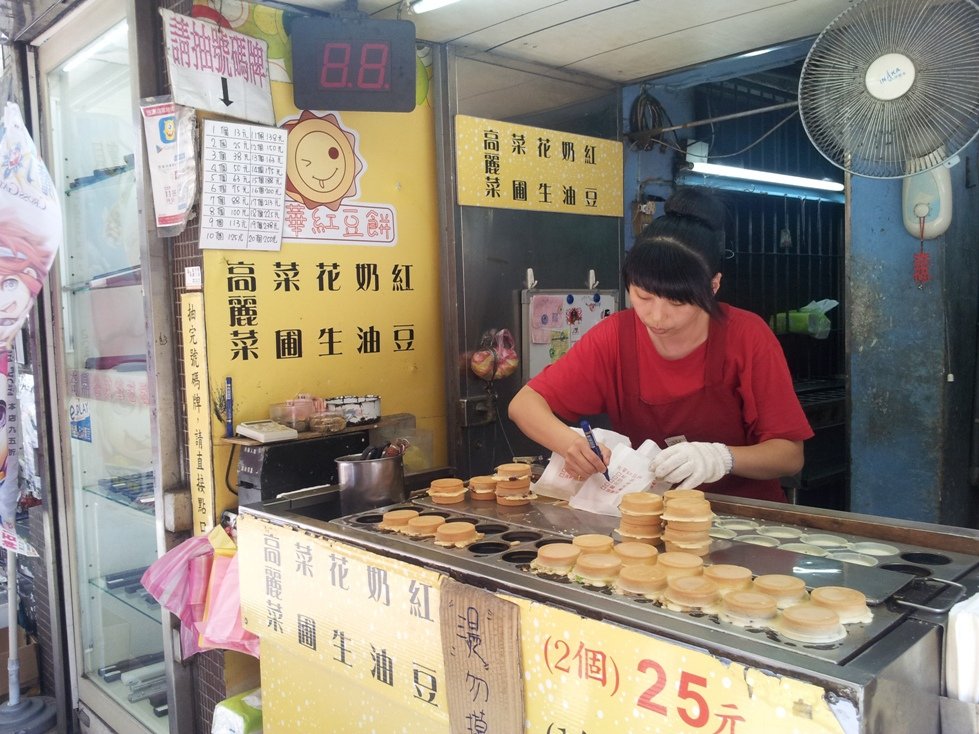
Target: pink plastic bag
x: 496, y: 357
x: 178, y: 581
x: 222, y: 626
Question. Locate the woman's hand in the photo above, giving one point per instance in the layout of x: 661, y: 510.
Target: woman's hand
x: 689, y: 464
x: 580, y: 461
x: 533, y: 416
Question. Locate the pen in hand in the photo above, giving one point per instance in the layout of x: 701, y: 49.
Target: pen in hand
x: 594, y: 446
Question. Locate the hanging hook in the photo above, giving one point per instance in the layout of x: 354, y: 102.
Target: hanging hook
x: 592, y: 283
x: 531, y: 283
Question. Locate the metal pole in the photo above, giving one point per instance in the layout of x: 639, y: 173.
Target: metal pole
x: 13, y: 661
x: 721, y: 118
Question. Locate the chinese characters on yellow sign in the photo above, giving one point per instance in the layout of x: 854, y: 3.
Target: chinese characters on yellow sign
x: 198, y: 410
x: 602, y: 677
x: 447, y: 655
x: 326, y: 337
x: 508, y: 166
x: 367, y: 618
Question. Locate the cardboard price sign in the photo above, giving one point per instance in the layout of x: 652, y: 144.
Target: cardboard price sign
x: 481, y: 650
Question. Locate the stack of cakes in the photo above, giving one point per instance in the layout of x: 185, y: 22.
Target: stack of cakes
x: 687, y: 518
x: 513, y: 485
x: 482, y: 488
x: 641, y: 514
x: 447, y: 491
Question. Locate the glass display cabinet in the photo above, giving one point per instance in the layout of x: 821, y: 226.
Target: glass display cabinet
x: 104, y: 395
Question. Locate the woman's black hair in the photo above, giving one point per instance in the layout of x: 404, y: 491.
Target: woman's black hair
x: 678, y: 254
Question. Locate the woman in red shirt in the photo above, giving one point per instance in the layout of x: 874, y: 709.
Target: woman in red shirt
x: 705, y: 380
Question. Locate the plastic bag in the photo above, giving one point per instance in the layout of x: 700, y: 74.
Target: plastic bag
x: 496, y: 358
x: 811, y: 319
x: 222, y: 626
x: 178, y: 581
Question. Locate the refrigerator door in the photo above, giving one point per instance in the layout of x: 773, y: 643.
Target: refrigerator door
x: 102, y: 398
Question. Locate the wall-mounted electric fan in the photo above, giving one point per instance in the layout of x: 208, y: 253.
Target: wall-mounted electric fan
x: 890, y: 89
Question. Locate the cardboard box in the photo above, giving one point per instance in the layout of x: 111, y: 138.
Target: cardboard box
x: 26, y: 655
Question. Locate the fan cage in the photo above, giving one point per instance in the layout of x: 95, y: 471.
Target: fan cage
x: 918, y: 131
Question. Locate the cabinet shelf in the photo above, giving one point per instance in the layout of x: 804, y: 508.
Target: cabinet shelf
x: 119, y: 692
x: 120, y: 278
x: 135, y: 600
x: 122, y: 499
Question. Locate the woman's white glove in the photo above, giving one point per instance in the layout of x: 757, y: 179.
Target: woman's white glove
x: 689, y: 464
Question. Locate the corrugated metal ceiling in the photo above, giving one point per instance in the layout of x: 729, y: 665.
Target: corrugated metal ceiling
x: 619, y: 41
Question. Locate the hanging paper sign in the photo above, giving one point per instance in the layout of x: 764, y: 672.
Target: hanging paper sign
x: 243, y: 186
x: 170, y: 133
x: 216, y: 69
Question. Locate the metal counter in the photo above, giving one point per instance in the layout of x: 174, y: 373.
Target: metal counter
x: 885, y: 677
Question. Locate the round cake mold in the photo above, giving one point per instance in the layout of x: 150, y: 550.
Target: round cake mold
x: 875, y: 549
x: 861, y: 559
x: 758, y: 540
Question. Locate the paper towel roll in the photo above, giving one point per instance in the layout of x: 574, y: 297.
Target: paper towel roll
x: 961, y: 646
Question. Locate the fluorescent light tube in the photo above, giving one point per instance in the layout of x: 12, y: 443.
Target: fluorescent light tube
x: 423, y: 6
x: 747, y: 174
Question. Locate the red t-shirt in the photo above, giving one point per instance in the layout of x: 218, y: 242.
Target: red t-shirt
x: 588, y: 379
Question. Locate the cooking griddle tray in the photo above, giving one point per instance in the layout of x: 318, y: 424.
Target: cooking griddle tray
x: 877, y: 584
x: 510, y: 542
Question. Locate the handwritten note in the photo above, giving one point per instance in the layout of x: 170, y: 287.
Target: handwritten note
x: 243, y: 191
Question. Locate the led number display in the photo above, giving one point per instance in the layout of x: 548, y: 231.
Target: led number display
x: 353, y: 64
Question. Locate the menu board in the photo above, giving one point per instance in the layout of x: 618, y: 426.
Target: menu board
x: 243, y: 191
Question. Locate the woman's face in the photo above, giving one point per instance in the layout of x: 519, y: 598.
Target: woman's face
x: 663, y: 317
x: 15, y: 299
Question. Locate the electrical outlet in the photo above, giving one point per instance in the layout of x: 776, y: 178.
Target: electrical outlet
x: 477, y: 411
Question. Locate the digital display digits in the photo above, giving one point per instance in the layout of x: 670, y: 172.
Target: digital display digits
x: 344, y: 63
x: 363, y: 65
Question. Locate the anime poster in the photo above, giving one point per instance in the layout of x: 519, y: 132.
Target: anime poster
x: 30, y: 224
x: 30, y: 234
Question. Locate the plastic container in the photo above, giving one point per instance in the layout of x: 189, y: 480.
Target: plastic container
x: 328, y: 421
x: 357, y: 409
x: 292, y: 413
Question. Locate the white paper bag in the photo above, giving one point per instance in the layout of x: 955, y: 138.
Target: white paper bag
x: 628, y: 472
x: 557, y: 483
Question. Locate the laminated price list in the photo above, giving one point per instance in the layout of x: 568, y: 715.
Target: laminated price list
x: 243, y: 191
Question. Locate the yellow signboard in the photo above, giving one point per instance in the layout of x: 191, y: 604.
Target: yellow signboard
x: 198, y: 410
x: 369, y: 620
x: 588, y: 676
x: 351, y: 303
x: 499, y: 164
